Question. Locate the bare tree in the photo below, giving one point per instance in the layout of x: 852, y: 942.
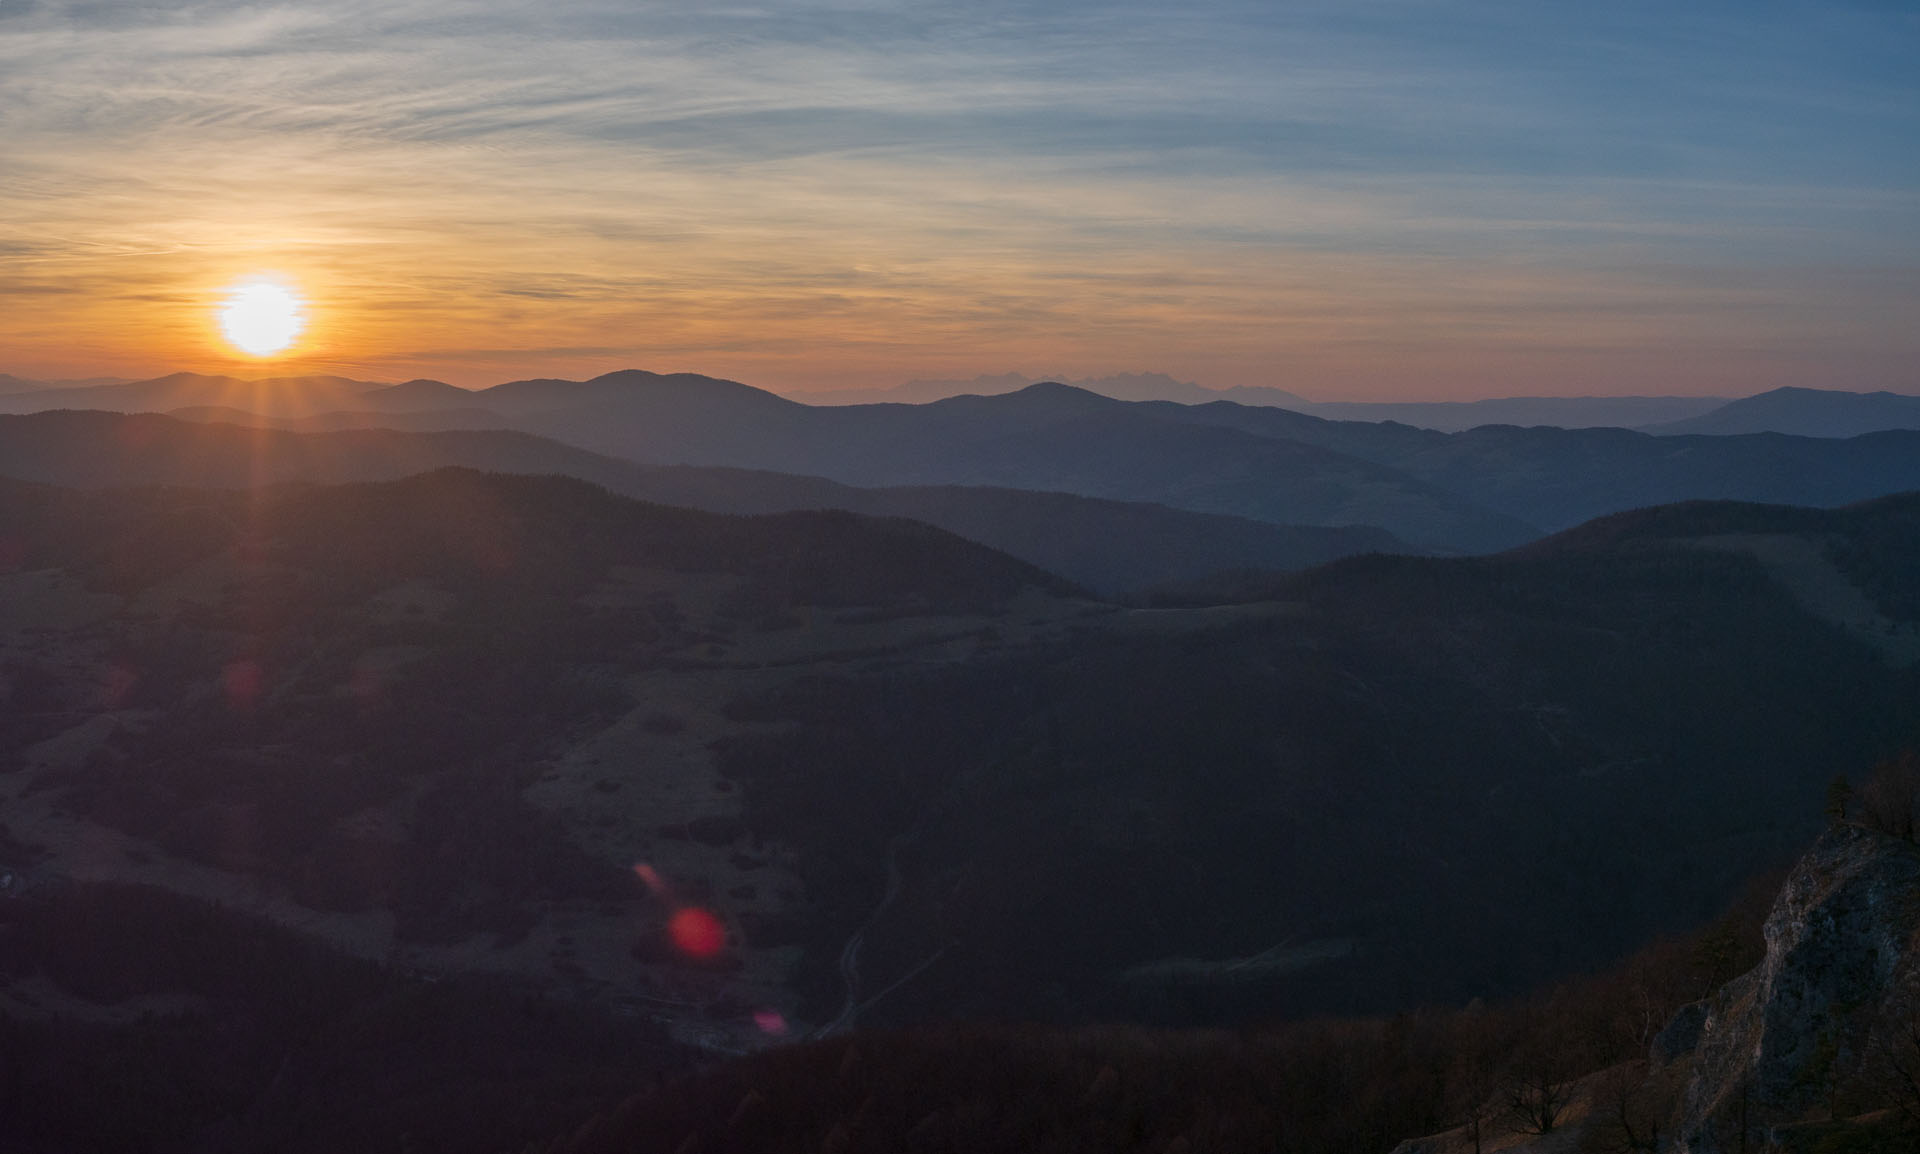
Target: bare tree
x: 1839, y: 800
x: 1535, y: 1096
x: 1474, y: 1094
x: 1892, y: 1061
x: 1890, y: 801
x: 1629, y: 1103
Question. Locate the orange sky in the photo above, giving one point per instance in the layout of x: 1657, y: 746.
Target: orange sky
x: 1354, y: 214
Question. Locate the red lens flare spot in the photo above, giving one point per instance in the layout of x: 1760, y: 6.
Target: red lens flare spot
x: 771, y: 1022
x: 697, y: 933
x: 650, y: 877
x: 242, y: 681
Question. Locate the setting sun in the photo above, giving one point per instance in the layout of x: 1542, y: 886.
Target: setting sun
x: 261, y: 317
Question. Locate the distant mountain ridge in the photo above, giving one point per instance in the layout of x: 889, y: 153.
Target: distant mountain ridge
x: 277, y: 396
x: 1444, y: 416
x: 1111, y: 546
x: 1120, y: 386
x: 1048, y: 437
x: 1483, y: 489
x: 1561, y: 412
x: 12, y: 384
x: 1804, y: 412
x: 1796, y: 411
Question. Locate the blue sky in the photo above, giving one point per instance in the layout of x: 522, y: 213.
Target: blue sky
x: 1351, y: 200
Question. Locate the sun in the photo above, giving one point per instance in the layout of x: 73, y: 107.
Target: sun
x: 262, y: 317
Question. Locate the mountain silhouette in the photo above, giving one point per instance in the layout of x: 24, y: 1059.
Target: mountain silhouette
x: 1478, y: 490
x: 276, y: 396
x: 1805, y: 413
x: 1113, y: 546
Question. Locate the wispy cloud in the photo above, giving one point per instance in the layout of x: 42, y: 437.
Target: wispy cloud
x: 816, y: 193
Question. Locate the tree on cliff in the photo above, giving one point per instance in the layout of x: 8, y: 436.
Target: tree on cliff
x: 1890, y: 801
x: 1839, y: 799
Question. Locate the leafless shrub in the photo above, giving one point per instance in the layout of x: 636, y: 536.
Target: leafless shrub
x: 1536, y: 1096
x: 1629, y: 1103
x: 1890, y: 801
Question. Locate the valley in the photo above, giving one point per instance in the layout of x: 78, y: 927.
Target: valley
x: 723, y: 783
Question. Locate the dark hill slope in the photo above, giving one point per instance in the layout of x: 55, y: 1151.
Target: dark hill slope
x: 102, y: 450
x: 558, y: 529
x: 1873, y: 545
x: 259, y: 1038
x: 418, y: 420
x: 1109, y: 545
x: 535, y: 533
x: 296, y: 659
x: 1428, y: 779
x: 1395, y: 780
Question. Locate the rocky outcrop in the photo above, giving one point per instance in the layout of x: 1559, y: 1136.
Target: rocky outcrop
x: 1760, y: 1064
x: 1841, y: 947
x: 1681, y: 1037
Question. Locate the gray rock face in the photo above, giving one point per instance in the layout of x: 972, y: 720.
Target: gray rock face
x: 1681, y: 1036
x: 1842, y: 935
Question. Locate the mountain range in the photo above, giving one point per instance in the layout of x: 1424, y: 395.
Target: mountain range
x: 1792, y: 410
x: 1808, y: 412
x: 442, y: 733
x: 1111, y: 546
x: 915, y: 777
x: 1479, y: 490
x: 1446, y: 416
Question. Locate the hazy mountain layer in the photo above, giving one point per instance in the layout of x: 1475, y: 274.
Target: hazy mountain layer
x: 12, y: 384
x: 1806, y: 413
x: 273, y: 396
x: 1113, y: 546
x: 1046, y: 437
x: 1050, y: 438
x: 1557, y: 478
x: 1446, y: 416
x: 1562, y: 412
x: 1474, y: 491
x: 1121, y: 386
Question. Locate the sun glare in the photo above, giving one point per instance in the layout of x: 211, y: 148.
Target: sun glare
x: 261, y: 317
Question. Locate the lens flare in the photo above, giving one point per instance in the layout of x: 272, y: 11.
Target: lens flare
x: 697, y: 933
x: 771, y: 1022
x: 651, y: 878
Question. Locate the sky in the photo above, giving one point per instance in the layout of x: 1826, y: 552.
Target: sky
x: 1353, y: 200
